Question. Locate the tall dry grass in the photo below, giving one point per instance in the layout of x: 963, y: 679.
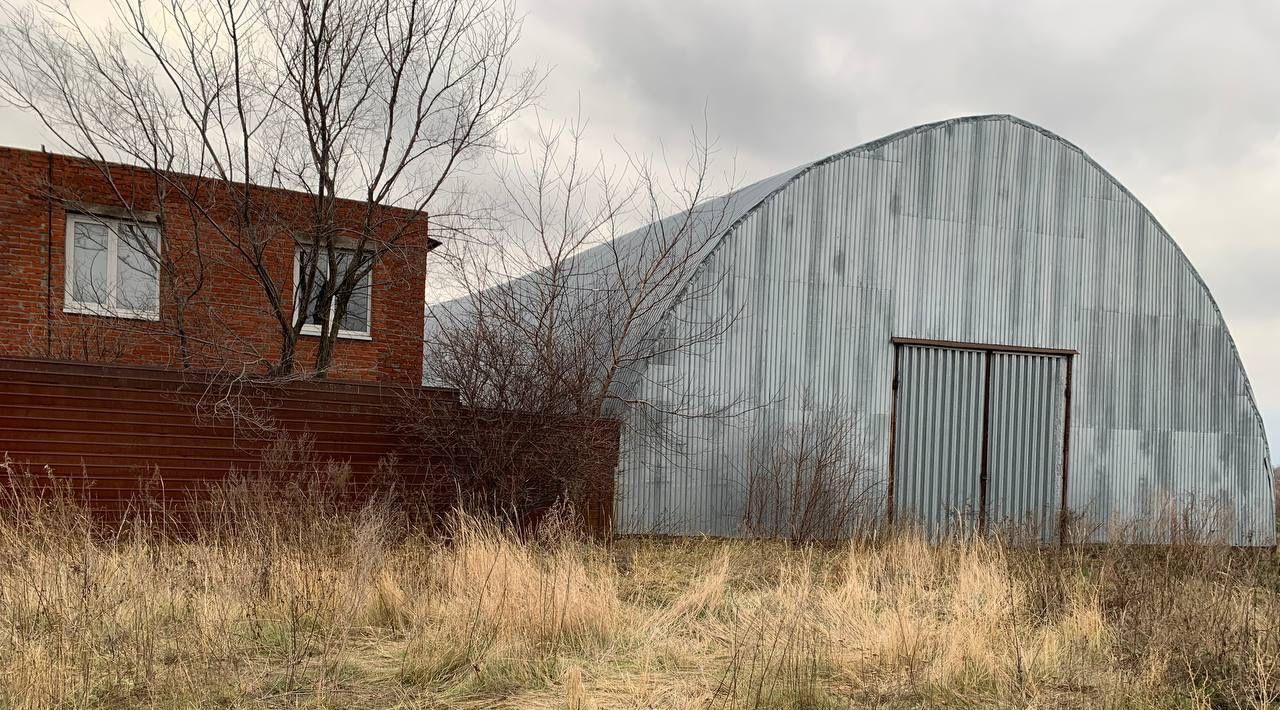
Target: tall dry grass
x: 315, y: 607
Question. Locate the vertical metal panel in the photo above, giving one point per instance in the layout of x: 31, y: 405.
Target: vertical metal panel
x: 939, y: 438
x: 985, y: 229
x: 1027, y: 413
x: 127, y: 439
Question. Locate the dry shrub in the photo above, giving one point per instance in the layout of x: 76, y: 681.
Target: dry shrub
x: 812, y: 479
x: 514, y: 463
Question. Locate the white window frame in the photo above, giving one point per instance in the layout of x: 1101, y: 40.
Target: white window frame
x: 300, y: 309
x: 70, y: 304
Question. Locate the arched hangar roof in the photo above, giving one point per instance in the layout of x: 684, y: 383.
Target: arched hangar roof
x: 730, y: 210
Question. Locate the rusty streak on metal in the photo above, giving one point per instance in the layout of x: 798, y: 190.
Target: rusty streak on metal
x: 1066, y: 453
x: 893, y: 431
x: 984, y: 473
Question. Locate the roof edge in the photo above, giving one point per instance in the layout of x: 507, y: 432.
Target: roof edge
x: 87, y: 161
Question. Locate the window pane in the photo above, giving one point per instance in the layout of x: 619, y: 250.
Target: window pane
x: 89, y: 263
x: 357, y: 316
x: 136, y: 272
x: 315, y: 313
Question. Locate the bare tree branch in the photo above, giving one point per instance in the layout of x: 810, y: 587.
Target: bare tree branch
x: 562, y: 312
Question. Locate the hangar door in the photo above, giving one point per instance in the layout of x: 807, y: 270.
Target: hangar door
x: 979, y: 438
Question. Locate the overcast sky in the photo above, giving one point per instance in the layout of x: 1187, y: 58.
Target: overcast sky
x: 1179, y: 99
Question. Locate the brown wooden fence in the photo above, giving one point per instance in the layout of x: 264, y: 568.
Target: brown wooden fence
x: 121, y: 432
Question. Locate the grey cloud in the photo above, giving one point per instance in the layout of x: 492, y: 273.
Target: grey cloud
x: 809, y: 79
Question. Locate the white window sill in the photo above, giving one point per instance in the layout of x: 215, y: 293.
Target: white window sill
x: 97, y: 309
x: 342, y: 334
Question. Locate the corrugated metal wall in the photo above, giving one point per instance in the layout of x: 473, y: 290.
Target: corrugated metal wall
x: 130, y: 436
x: 986, y: 229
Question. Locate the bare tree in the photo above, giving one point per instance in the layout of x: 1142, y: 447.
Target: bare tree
x: 380, y: 101
x: 563, y: 307
x: 561, y: 312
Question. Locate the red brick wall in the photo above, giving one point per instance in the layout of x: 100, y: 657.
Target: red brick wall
x: 228, y: 321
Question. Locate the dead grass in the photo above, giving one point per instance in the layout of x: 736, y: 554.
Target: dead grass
x: 356, y: 611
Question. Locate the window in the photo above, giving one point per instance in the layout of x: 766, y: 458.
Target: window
x: 112, y: 268
x: 355, y: 322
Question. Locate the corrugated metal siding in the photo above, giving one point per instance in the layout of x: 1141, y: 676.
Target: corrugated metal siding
x: 118, y: 425
x: 941, y: 400
x: 988, y: 230
x: 1028, y: 410
x: 127, y: 434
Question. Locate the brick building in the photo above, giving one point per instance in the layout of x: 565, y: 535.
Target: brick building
x: 71, y: 287
x: 109, y: 347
